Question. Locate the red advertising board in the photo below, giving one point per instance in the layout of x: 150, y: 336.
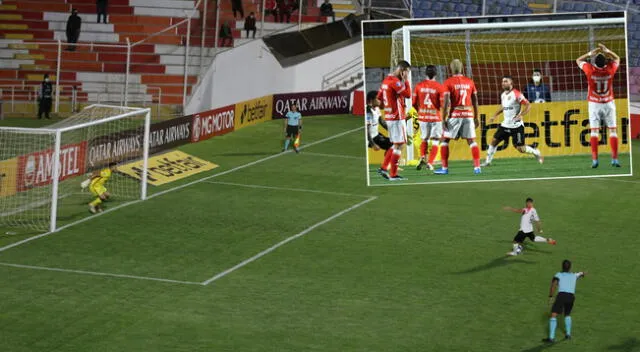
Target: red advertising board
x: 36, y: 169
x: 213, y: 123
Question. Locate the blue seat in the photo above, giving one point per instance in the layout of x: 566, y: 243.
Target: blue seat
x: 468, y: 2
x: 460, y: 8
x: 579, y: 7
x: 473, y: 9
x: 566, y: 6
x: 437, y: 6
x: 515, y: 3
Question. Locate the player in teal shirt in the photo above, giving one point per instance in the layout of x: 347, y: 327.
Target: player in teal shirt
x: 565, y: 282
x: 293, y: 126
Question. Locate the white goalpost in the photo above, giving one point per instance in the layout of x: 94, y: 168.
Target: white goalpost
x: 491, y: 50
x: 42, y: 169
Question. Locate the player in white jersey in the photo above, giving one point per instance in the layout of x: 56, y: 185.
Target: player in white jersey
x: 375, y: 139
x: 513, y: 107
x: 528, y: 219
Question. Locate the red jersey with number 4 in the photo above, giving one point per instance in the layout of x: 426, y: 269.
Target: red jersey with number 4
x: 427, y: 99
x: 460, y: 89
x: 600, y: 81
x: 392, y: 94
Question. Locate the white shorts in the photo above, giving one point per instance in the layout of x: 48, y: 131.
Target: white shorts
x: 460, y: 127
x: 397, y: 131
x: 602, y: 114
x: 430, y: 129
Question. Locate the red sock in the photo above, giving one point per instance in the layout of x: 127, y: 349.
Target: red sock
x: 434, y: 151
x: 387, y: 159
x: 423, y: 149
x: 613, y: 142
x: 444, y: 155
x: 475, y: 152
x: 594, y: 147
x: 394, y: 165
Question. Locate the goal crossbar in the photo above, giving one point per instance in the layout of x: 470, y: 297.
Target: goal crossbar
x: 509, y: 25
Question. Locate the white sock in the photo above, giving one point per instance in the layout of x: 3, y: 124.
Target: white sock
x: 490, y: 152
x: 540, y: 239
x: 530, y: 150
x: 515, y: 248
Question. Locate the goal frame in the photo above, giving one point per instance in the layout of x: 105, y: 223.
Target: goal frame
x: 57, y: 133
x: 406, y: 31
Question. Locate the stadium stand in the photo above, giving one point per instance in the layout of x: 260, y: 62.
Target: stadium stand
x: 29, y: 29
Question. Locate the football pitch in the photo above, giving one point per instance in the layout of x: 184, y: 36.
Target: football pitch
x: 293, y: 252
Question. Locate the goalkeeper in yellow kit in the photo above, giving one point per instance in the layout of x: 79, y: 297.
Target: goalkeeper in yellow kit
x: 97, y: 188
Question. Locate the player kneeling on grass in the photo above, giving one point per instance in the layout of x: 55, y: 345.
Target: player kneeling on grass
x: 565, y: 281
x: 375, y: 139
x: 512, y: 125
x: 529, y: 217
x: 97, y: 188
x: 293, y: 126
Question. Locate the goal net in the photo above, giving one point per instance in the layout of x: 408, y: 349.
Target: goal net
x: 558, y: 121
x: 31, y: 197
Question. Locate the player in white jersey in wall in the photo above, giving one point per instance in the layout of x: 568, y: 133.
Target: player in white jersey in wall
x: 528, y: 219
x: 513, y: 107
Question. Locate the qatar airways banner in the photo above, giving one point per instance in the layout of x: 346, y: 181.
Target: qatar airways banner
x: 332, y: 102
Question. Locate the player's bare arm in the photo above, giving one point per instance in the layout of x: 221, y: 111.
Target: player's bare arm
x: 496, y: 114
x: 553, y: 287
x: 587, y: 55
x: 445, y: 108
x: 515, y: 210
x: 609, y: 53
x: 474, y: 101
x: 524, y: 111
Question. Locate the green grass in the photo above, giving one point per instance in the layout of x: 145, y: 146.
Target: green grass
x: 510, y: 169
x: 420, y: 268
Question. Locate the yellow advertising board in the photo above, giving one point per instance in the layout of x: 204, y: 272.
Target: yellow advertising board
x: 560, y: 128
x: 8, y: 174
x: 167, y: 167
x: 253, y: 111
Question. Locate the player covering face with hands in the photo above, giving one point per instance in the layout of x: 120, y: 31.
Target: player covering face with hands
x: 395, y: 88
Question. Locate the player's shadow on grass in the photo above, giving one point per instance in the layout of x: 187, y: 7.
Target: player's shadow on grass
x: 542, y: 347
x: 496, y: 263
x: 528, y: 247
x: 631, y: 344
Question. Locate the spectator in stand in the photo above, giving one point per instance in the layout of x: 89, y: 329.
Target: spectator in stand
x: 102, y: 10
x: 73, y: 29
x: 236, y: 6
x: 45, y: 97
x: 536, y: 90
x: 226, y: 34
x: 271, y: 7
x: 250, y: 25
x: 326, y: 10
x: 284, y: 11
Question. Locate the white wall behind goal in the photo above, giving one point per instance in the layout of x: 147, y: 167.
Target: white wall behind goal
x: 250, y: 71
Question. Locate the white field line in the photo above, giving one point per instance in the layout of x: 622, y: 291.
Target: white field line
x: 177, y: 188
x: 32, y: 206
x: 285, y: 241
x: 443, y: 177
x: 83, y: 272
x: 288, y: 189
x: 335, y: 155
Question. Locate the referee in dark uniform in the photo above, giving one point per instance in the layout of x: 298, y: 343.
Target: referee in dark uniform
x: 565, y: 282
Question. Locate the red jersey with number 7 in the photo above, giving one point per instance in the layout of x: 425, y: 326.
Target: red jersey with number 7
x: 392, y: 94
x: 600, y: 81
x: 460, y: 90
x: 427, y: 99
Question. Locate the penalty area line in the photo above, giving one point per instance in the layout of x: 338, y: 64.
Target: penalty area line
x: 94, y: 273
x: 285, y: 241
x: 335, y: 155
x: 288, y: 189
x: 176, y: 189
